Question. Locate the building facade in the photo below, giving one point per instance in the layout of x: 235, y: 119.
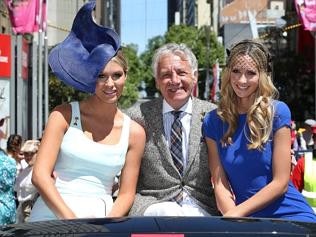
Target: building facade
x: 240, y: 19
x: 62, y: 13
x: 108, y: 13
x: 194, y: 13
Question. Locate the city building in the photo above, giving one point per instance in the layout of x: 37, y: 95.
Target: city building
x: 189, y: 12
x: 62, y: 13
x: 242, y: 19
x: 108, y: 13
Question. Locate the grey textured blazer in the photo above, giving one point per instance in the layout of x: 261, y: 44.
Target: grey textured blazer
x: 159, y: 179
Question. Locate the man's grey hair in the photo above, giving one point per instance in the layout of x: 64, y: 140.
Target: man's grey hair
x: 182, y: 50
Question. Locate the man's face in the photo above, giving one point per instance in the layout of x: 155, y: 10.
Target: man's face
x: 175, y: 80
x: 30, y: 157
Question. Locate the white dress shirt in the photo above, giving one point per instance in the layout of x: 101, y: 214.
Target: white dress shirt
x: 185, y: 119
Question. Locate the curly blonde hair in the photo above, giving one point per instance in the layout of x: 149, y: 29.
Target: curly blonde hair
x: 260, y: 114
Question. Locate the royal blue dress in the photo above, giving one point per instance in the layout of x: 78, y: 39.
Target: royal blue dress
x: 7, y: 181
x: 248, y: 171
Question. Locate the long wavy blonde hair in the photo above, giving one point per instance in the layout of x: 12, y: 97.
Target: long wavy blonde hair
x: 260, y: 114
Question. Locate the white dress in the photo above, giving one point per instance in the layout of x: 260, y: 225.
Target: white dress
x: 85, y: 172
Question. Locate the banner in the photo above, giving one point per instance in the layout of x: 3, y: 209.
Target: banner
x: 5, y: 55
x: 306, y: 11
x: 195, y: 91
x: 27, y: 16
x: 215, y: 87
x: 40, y: 15
x: 25, y: 61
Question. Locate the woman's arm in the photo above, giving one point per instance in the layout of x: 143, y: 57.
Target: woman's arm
x: 130, y: 171
x: 281, y: 168
x: 223, y: 194
x: 43, y: 168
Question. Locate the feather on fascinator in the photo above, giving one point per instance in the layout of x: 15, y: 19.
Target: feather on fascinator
x: 80, y: 58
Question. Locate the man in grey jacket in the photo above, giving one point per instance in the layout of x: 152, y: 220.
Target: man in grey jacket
x: 166, y: 188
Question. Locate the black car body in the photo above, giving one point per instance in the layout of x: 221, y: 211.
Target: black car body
x: 162, y: 227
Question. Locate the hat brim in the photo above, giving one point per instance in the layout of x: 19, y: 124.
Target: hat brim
x: 310, y: 122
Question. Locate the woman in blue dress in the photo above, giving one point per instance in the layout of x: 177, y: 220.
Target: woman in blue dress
x: 249, y: 141
x: 7, y: 180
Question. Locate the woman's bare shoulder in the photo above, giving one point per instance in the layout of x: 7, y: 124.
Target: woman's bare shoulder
x: 136, y: 130
x: 62, y: 111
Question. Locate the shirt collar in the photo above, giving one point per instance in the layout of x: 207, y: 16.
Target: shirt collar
x: 187, y: 107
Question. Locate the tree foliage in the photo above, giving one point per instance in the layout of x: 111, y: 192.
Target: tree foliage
x: 146, y: 61
x: 60, y: 93
x: 130, y: 93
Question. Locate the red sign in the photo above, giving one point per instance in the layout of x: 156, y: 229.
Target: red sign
x: 5, y: 55
x: 157, y: 235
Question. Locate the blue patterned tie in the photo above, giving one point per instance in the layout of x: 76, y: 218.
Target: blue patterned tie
x: 176, y: 148
x: 176, y: 141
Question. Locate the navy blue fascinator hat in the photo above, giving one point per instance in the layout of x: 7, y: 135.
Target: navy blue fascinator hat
x: 81, y: 57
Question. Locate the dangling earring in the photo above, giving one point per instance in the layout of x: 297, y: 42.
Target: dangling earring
x: 76, y: 120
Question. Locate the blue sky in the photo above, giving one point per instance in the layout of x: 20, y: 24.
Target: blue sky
x: 142, y: 20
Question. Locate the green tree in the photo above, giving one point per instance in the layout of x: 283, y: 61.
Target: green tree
x: 59, y: 93
x: 146, y: 61
x: 134, y: 77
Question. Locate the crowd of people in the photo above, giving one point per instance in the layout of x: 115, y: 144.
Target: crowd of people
x: 16, y: 189
x: 303, y: 173
x: 175, y: 155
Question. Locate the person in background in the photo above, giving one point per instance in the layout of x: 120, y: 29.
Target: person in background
x: 302, y: 144
x: 26, y: 192
x: 4, y: 131
x: 294, y: 144
x: 14, y: 144
x: 7, y: 180
x: 249, y: 141
x: 293, y: 160
x: 86, y: 143
x: 308, y: 134
x: 304, y: 174
x: 174, y: 177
